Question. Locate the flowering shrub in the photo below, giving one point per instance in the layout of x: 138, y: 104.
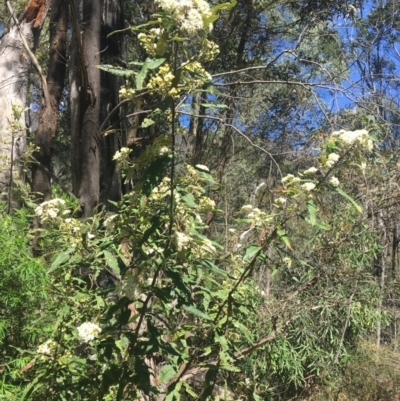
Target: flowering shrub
x: 88, y: 331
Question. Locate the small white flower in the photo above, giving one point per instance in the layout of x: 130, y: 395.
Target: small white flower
x: 52, y: 213
x: 308, y: 186
x: 232, y: 230
x: 287, y: 261
x: 310, y: 171
x: 334, y: 181
x: 181, y: 240
x: 47, y: 348
x: 88, y: 331
x: 202, y: 167
x: 90, y: 236
x: 163, y: 151
x: 281, y: 200
x: 289, y: 177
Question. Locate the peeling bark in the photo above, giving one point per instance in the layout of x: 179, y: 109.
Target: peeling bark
x: 14, y: 65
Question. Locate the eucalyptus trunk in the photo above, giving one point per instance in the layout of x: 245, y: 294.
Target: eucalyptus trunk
x: 16, y: 54
x: 49, y: 110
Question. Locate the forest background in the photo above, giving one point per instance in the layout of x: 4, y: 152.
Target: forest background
x: 199, y: 200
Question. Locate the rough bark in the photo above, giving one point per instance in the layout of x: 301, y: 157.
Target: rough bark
x: 15, y: 57
x: 48, y: 113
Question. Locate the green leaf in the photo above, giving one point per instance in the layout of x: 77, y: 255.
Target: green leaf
x: 166, y: 374
x: 111, y: 261
x: 146, y: 123
x: 116, y: 70
x: 251, y: 251
x: 224, y: 6
x: 194, y: 311
x: 217, y: 106
x: 282, y: 235
x: 62, y: 258
x: 189, y: 200
x: 152, y: 64
x: 213, y: 267
x: 312, y: 209
x: 140, y: 77
x: 161, y: 47
x: 349, y: 198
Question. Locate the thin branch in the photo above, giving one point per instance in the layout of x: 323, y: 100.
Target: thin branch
x: 236, y: 130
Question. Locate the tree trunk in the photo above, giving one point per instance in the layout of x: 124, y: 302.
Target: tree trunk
x: 112, y: 53
x: 94, y: 94
x: 48, y: 113
x: 85, y: 110
x: 15, y: 56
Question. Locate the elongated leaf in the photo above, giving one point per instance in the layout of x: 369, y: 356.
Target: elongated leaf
x: 251, y: 251
x: 140, y: 77
x: 349, y: 198
x: 282, y: 235
x: 152, y: 64
x: 214, y: 268
x: 62, y: 258
x: 224, y: 6
x: 217, y: 106
x: 120, y: 71
x: 194, y: 311
x: 312, y: 210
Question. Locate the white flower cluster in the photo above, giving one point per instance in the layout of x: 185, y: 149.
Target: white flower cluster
x: 290, y: 179
x: 334, y: 181
x: 198, y: 75
x: 47, y: 348
x: 359, y: 137
x: 205, y: 205
x: 281, y: 201
x: 122, y: 157
x: 257, y: 216
x: 333, y: 158
x: 148, y: 39
x: 210, y: 50
x: 88, y: 331
x: 287, y: 261
x: 191, y: 14
x: 50, y: 209
x: 162, y: 81
x: 162, y: 190
x: 310, y: 171
x: 308, y: 186
x: 181, y: 241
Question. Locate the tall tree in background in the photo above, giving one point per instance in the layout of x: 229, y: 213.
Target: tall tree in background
x: 48, y: 113
x: 16, y: 54
x: 93, y: 96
